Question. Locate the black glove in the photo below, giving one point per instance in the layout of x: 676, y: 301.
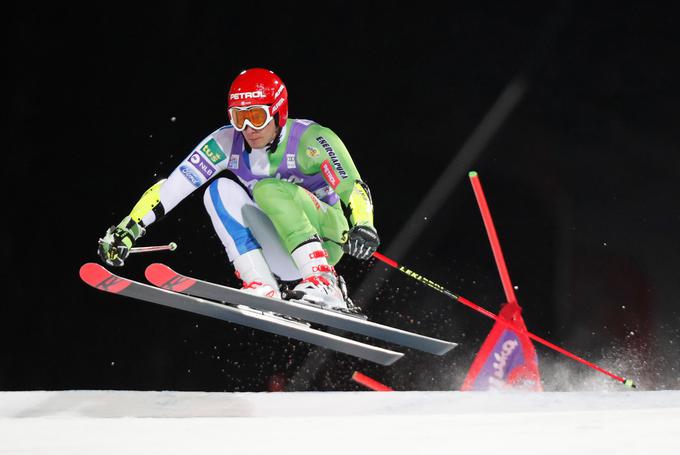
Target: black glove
x: 362, y: 242
x: 115, y: 246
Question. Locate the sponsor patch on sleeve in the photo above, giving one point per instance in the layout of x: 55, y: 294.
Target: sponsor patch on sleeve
x: 202, y: 165
x: 212, y: 150
x: 190, y: 175
x: 335, y: 160
x: 329, y: 174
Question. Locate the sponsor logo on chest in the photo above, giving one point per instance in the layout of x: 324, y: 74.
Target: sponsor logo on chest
x: 333, y: 156
x: 323, y: 192
x: 290, y: 162
x: 233, y: 162
x: 290, y: 178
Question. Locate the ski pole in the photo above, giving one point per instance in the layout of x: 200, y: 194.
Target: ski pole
x: 466, y: 302
x: 172, y: 246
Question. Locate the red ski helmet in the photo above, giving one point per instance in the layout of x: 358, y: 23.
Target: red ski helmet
x: 257, y: 86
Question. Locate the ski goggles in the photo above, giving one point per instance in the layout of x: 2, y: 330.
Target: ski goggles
x: 257, y: 117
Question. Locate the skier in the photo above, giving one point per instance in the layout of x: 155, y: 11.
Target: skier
x: 285, y: 219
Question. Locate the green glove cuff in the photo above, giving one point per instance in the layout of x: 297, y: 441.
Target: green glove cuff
x: 128, y: 231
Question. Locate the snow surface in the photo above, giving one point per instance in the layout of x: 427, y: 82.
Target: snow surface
x: 121, y: 422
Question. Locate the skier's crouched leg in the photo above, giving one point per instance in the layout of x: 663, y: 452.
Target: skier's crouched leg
x: 271, y: 191
x: 224, y: 200
x: 290, y: 208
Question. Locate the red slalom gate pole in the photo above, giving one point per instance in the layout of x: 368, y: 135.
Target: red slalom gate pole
x: 370, y: 382
x: 493, y: 237
x: 466, y: 302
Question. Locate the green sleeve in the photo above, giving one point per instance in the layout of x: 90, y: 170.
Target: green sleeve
x: 322, y: 151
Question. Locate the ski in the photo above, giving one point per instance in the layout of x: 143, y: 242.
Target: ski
x: 163, y: 276
x: 100, y: 278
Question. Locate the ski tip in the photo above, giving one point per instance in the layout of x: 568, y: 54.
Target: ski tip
x: 100, y: 278
x: 93, y: 273
x: 472, y: 174
x: 158, y: 273
x: 164, y: 277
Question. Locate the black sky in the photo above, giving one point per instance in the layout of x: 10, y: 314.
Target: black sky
x: 582, y: 180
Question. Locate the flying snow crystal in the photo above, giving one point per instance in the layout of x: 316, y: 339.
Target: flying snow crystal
x: 604, y: 243
x: 516, y: 287
x: 172, y: 119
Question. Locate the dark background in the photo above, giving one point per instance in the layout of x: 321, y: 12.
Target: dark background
x: 581, y: 180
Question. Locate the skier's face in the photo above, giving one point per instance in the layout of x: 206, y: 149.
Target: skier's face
x: 258, y: 139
